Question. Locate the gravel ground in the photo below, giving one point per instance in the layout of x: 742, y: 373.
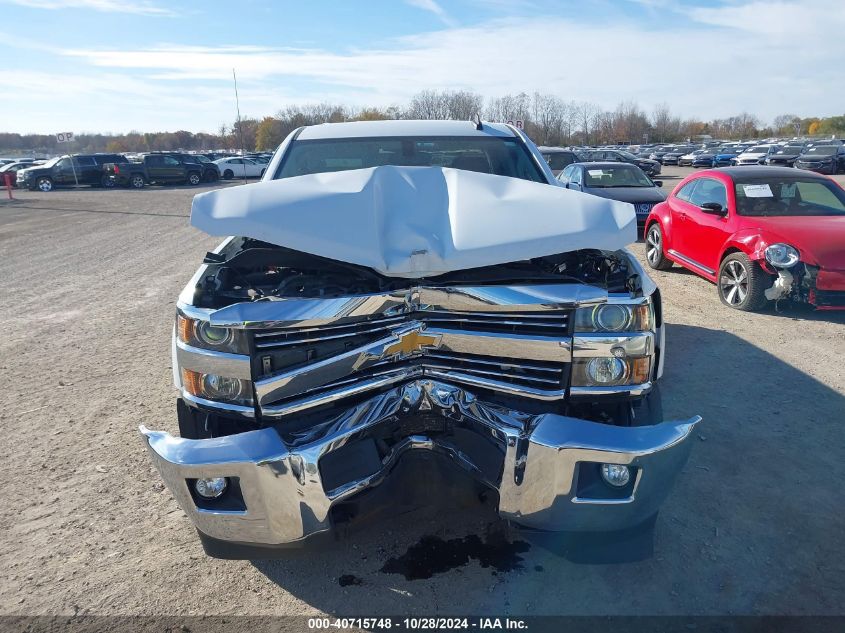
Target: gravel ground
x: 753, y: 526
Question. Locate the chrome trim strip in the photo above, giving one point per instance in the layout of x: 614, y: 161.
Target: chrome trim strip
x: 628, y: 390
x: 352, y: 389
x: 237, y: 409
x: 211, y: 362
x: 306, y: 313
x: 588, y: 345
x: 691, y: 262
x: 496, y: 385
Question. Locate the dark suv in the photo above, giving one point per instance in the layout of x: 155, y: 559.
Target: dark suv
x: 210, y: 171
x: 65, y: 171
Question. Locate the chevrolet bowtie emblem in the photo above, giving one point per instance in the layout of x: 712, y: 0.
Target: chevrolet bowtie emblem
x: 411, y: 342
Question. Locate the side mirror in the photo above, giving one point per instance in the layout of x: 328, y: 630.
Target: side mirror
x: 657, y: 183
x: 714, y: 208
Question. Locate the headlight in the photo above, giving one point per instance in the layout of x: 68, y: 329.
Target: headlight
x: 614, y: 317
x: 218, y: 388
x: 606, y: 371
x: 200, y: 334
x: 610, y: 371
x: 781, y: 255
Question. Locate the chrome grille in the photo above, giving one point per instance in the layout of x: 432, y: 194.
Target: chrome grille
x: 552, y: 323
x: 522, y: 354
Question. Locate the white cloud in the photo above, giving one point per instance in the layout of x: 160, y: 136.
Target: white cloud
x: 432, y: 7
x: 777, y: 18
x: 709, y: 63
x: 137, y: 7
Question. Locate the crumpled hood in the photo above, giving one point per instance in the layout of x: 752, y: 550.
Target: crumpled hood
x: 416, y: 221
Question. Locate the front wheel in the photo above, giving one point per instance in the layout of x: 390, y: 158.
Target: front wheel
x: 228, y: 174
x: 137, y: 181
x: 654, y: 248
x: 194, y: 178
x: 44, y: 184
x: 742, y: 283
x: 107, y: 182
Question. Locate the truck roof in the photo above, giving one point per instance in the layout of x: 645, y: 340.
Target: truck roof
x: 366, y: 129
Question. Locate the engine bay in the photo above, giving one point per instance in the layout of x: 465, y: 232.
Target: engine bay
x: 251, y: 270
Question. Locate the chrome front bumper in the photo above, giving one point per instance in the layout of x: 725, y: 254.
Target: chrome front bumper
x: 286, y: 499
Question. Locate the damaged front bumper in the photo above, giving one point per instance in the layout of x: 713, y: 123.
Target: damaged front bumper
x: 545, y: 467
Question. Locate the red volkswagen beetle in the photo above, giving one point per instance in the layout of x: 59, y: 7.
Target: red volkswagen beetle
x: 760, y: 234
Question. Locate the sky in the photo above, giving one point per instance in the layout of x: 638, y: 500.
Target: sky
x: 165, y: 65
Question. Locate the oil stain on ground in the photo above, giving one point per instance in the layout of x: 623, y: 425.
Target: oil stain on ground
x: 348, y: 579
x: 432, y: 555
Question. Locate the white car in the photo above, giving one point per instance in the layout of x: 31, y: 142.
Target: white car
x: 755, y: 155
x: 235, y: 168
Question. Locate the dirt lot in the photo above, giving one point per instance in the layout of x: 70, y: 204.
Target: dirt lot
x: 89, y: 279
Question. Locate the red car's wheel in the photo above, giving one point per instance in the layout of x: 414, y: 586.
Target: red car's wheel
x: 654, y: 248
x: 742, y: 283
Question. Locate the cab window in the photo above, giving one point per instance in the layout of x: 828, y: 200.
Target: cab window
x: 709, y: 190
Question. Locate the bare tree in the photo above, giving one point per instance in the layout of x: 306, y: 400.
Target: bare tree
x: 447, y: 104
x: 661, y: 119
x: 787, y: 124
x: 587, y: 115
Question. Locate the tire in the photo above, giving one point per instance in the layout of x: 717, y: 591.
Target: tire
x: 228, y: 174
x: 741, y: 283
x: 106, y: 182
x: 194, y: 179
x: 212, y: 176
x: 136, y: 181
x: 654, y: 255
x: 44, y: 184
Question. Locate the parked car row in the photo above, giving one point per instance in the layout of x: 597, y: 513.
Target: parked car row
x: 109, y: 170
x: 822, y: 156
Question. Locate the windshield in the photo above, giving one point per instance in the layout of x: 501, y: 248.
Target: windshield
x: 52, y: 162
x: 791, y: 149
x: 606, y: 177
x: 628, y: 155
x: 489, y: 155
x: 559, y: 160
x: 727, y: 150
x: 789, y: 196
x: 759, y: 149
x: 822, y: 150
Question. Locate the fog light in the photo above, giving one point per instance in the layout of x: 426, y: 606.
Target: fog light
x: 210, y: 487
x: 616, y: 475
